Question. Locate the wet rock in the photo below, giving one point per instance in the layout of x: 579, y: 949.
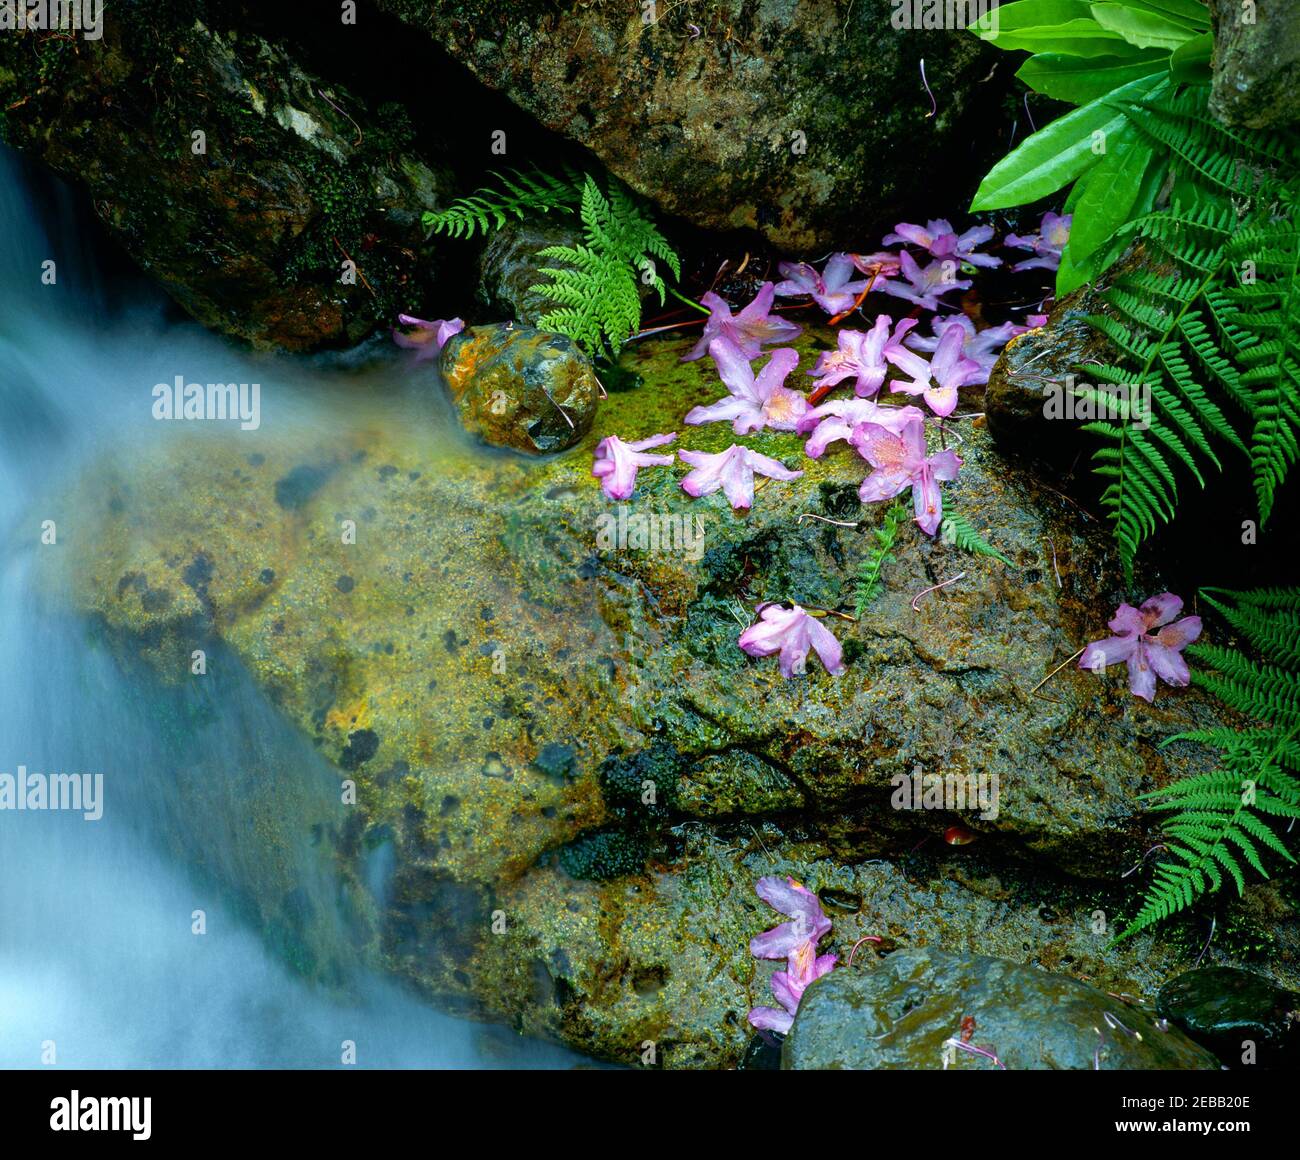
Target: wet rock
x: 238, y: 179
x: 628, y: 916
x: 1025, y: 402
x: 741, y: 116
x: 509, y: 267
x: 902, y: 1012
x: 1256, y: 63
x: 1216, y: 537
x: 521, y: 388
x: 1235, y: 1014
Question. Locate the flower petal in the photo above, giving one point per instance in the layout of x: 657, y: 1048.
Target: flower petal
x: 1110, y: 651
x: 1181, y: 634
x: 1161, y: 609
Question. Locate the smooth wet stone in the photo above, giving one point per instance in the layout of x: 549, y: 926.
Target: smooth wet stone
x: 517, y: 387
x: 1228, y: 1010
x: 901, y: 1013
x: 510, y: 269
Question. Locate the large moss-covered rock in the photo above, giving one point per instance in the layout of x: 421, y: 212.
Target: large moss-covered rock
x: 906, y: 1011
x: 568, y: 775
x: 235, y: 177
x: 807, y: 120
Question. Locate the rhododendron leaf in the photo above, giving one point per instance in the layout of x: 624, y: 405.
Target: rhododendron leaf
x: 1079, y: 80
x: 1083, y: 38
x: 1113, y: 189
x: 1141, y: 28
x: 1060, y: 152
x: 1190, y: 62
x: 1191, y: 13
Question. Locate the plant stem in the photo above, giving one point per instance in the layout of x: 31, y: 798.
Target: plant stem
x: 689, y: 301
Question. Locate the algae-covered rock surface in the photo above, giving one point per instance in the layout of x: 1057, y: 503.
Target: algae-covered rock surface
x: 559, y: 774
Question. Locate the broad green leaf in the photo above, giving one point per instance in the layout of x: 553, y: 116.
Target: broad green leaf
x: 1193, y: 13
x: 1140, y: 28
x: 1075, y: 37
x: 1190, y: 61
x: 1070, y: 277
x: 1113, y: 189
x: 1036, y: 13
x: 1077, y: 190
x: 1057, y: 153
x: 1079, y: 80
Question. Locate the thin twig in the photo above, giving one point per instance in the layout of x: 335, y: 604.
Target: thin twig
x: 875, y: 273
x: 865, y: 938
x: 934, y: 105
x: 935, y: 588
x: 360, y: 272
x: 332, y: 105
x: 1054, y: 567
x: 825, y: 520
x: 1055, y: 671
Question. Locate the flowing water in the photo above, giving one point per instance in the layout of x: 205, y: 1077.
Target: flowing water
x: 99, y: 962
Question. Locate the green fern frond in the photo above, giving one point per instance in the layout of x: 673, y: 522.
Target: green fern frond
x: 957, y: 530
x: 597, y: 292
x: 1218, y: 820
x: 867, y: 583
x: 1275, y: 635
x: 487, y: 209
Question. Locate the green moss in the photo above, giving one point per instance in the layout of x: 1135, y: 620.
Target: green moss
x: 608, y: 854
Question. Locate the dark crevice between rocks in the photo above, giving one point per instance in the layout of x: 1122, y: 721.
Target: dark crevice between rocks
x: 453, y: 116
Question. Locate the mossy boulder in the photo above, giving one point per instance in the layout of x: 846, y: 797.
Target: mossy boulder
x: 238, y: 179
x: 567, y: 775
x: 804, y: 119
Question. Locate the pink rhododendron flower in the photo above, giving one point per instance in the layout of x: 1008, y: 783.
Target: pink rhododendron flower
x: 883, y: 264
x: 1047, y: 244
x: 942, y: 241
x: 754, y: 402
x: 861, y: 354
x: 837, y: 419
x: 1149, y: 654
x: 831, y: 289
x: 923, y: 286
x: 981, y: 347
x: 749, y: 330
x: 428, y: 337
x: 796, y: 942
x: 733, y: 471
x: 791, y: 632
x: 900, y: 462
x: 617, y: 462
x: 938, y: 379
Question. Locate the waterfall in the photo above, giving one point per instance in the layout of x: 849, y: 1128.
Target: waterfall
x: 101, y: 959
